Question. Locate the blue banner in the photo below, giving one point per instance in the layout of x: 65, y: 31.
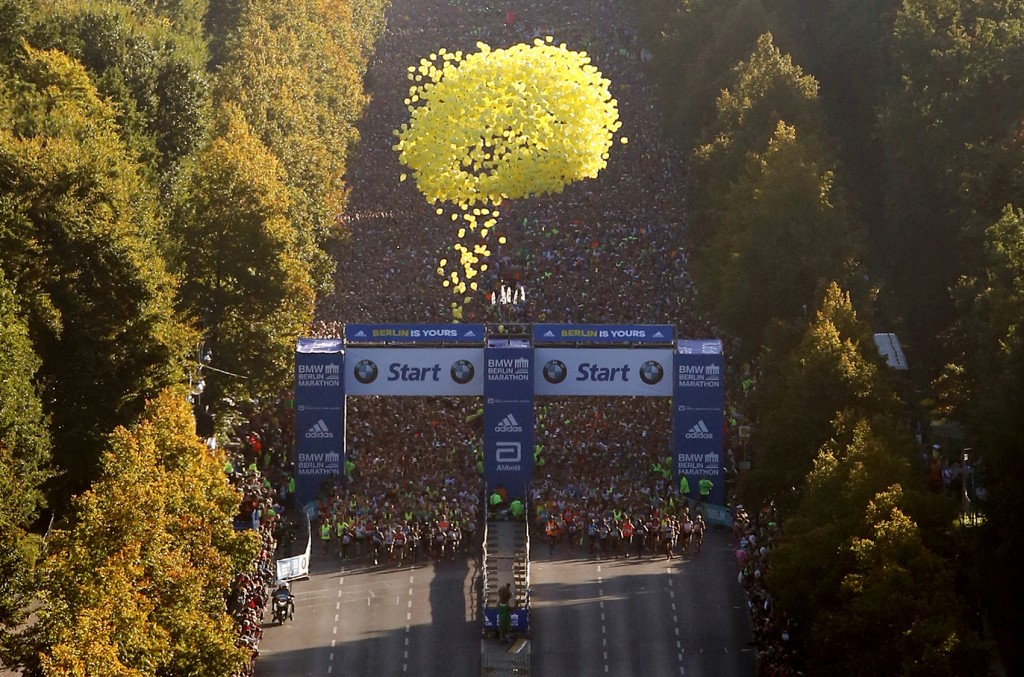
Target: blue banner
x: 319, y: 414
x: 508, y: 417
x: 698, y: 417
x: 603, y: 333
x: 519, y: 619
x: 414, y: 333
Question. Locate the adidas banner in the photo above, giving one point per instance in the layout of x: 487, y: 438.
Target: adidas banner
x: 319, y: 414
x: 603, y: 371
x: 698, y: 418
x: 508, y: 417
x: 414, y: 371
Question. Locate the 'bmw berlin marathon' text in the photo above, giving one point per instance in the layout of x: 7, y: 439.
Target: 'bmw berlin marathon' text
x: 318, y: 375
x: 508, y: 369
x: 700, y: 376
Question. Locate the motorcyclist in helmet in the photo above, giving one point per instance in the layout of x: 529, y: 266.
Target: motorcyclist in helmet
x: 284, y: 594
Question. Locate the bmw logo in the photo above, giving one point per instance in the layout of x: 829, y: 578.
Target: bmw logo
x: 462, y: 372
x: 365, y: 371
x: 651, y: 372
x: 555, y: 371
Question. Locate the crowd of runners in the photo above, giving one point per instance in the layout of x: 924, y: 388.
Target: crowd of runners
x: 610, y: 250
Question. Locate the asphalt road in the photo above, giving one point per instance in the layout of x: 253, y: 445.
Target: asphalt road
x: 650, y: 617
x: 378, y: 621
x: 685, y: 616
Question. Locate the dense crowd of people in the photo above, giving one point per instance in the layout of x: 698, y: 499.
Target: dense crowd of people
x: 411, y: 488
x: 606, y: 250
x: 755, y: 535
x: 257, y: 460
x: 609, y: 250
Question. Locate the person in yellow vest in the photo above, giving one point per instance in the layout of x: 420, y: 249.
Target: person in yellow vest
x: 517, y: 510
x: 684, y: 488
x: 705, y: 486
x: 325, y: 534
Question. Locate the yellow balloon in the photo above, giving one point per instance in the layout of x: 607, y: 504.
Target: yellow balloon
x: 544, y: 114
x: 499, y: 124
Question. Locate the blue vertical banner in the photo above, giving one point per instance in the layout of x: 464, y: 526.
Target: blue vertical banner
x: 319, y: 414
x: 698, y: 401
x: 508, y: 416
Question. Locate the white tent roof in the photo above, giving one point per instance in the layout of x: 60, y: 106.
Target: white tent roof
x: 889, y: 347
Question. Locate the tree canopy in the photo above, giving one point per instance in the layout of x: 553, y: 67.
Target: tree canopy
x: 238, y: 254
x: 78, y: 226
x: 136, y: 585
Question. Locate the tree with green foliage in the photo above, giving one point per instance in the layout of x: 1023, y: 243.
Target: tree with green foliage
x: 782, y: 233
x: 136, y: 586
x: 854, y: 571
x: 24, y: 463
x: 835, y: 370
x: 946, y: 126
x: 846, y: 45
x: 150, y: 60
x: 78, y: 226
x: 987, y: 345
x: 768, y: 217
x: 696, y: 45
x: 294, y: 69
x: 243, y: 274
x: 765, y: 89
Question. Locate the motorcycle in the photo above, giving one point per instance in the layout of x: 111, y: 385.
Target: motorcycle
x: 281, y: 609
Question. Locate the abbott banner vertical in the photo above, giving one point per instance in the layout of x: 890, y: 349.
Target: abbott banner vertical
x: 319, y: 414
x: 698, y: 400
x: 508, y: 416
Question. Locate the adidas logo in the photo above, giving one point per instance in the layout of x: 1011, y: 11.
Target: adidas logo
x: 319, y: 430
x: 509, y: 424
x: 549, y: 334
x: 699, y: 432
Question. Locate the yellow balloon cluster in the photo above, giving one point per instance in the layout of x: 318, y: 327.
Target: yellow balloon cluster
x: 502, y: 124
